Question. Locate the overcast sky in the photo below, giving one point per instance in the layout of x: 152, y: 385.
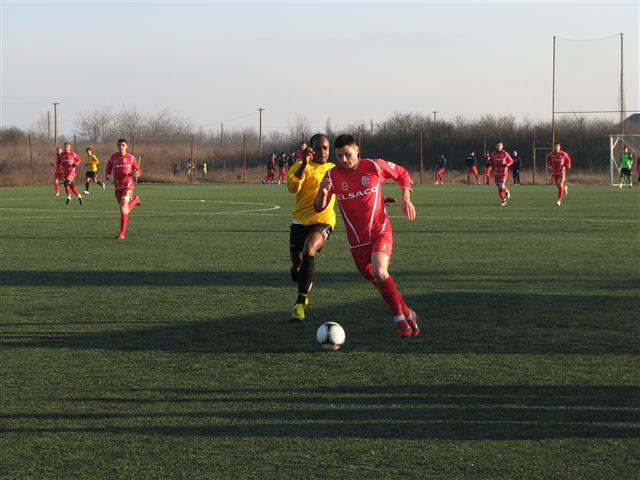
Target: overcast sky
x: 215, y: 62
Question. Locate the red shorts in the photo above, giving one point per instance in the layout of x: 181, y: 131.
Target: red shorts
x: 441, y: 171
x: 473, y: 170
x: 383, y: 243
x: 559, y: 178
x: 501, y: 179
x: 123, y: 192
x: 58, y: 176
x: 71, y: 177
x: 487, y: 171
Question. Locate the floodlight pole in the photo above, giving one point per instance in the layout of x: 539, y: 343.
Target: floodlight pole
x: 553, y: 96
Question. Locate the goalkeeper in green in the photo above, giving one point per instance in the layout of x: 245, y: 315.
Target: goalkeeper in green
x: 626, y: 162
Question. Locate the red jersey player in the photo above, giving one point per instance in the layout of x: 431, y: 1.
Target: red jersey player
x: 58, y: 177
x: 124, y: 167
x: 500, y: 163
x: 357, y: 185
x: 69, y: 162
x: 559, y: 161
x: 301, y: 151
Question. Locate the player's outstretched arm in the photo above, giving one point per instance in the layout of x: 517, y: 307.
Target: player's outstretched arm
x: 407, y: 207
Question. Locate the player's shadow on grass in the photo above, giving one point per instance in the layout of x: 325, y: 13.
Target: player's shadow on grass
x: 105, y: 278
x: 455, y: 322
x: 444, y: 412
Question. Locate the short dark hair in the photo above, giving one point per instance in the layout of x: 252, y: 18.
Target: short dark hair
x: 122, y: 140
x: 88, y: 148
x: 317, y: 137
x: 344, y: 141
x: 557, y: 143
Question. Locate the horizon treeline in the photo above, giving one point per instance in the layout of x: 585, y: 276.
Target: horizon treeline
x: 165, y: 139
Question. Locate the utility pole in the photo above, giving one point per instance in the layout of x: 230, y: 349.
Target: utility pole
x: 260, y: 130
x: 435, y: 112
x: 55, y: 122
x: 48, y: 124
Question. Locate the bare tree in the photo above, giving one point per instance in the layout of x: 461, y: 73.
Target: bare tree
x: 299, y: 128
x: 96, y: 125
x: 129, y: 122
x: 164, y: 125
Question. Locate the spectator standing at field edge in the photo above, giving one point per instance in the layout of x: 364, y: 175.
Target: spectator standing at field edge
x: 515, y: 168
x: 191, y: 168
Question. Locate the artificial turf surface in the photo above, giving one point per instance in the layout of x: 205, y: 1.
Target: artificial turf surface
x: 169, y: 354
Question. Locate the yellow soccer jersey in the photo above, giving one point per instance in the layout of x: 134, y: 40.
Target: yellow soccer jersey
x: 306, y: 190
x: 92, y: 163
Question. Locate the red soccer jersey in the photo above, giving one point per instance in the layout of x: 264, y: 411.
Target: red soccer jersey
x: 501, y: 161
x: 68, y: 161
x: 122, y: 167
x: 359, y: 196
x: 558, y: 162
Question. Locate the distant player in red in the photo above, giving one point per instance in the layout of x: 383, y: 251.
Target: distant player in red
x: 58, y: 176
x: 69, y: 162
x: 442, y: 167
x: 500, y: 163
x: 125, y: 169
x: 301, y: 151
x: 357, y: 185
x: 559, y: 161
x: 487, y: 168
x: 271, y: 169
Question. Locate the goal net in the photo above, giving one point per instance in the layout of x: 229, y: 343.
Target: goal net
x: 616, y: 144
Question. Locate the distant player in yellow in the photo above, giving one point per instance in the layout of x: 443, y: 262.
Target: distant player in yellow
x: 92, y: 171
x: 309, y: 229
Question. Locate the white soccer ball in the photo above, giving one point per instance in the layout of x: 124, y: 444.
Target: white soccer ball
x: 330, y: 336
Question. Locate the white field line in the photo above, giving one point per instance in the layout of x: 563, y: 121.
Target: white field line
x: 144, y: 213
x: 260, y: 212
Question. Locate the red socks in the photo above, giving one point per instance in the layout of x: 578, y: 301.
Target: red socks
x: 57, y: 187
x: 67, y: 190
x: 501, y: 193
x: 560, y: 193
x: 75, y: 191
x: 124, y: 218
x: 392, y: 297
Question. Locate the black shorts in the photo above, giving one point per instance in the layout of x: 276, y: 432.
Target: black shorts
x: 299, y: 233
x: 625, y: 171
x: 91, y: 174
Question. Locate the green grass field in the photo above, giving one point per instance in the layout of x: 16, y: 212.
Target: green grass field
x: 168, y: 355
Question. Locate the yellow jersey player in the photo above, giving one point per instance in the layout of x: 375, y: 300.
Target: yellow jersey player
x: 92, y: 171
x: 309, y: 229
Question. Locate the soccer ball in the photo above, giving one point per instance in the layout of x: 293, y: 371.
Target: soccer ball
x: 330, y: 336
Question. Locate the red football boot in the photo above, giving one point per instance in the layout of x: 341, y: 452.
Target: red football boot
x: 413, y: 324
x: 403, y: 328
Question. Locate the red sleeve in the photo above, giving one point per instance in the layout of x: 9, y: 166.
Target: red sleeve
x: 134, y: 164
x: 567, y: 159
x: 77, y: 160
x: 508, y: 160
x: 107, y: 172
x: 392, y: 170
